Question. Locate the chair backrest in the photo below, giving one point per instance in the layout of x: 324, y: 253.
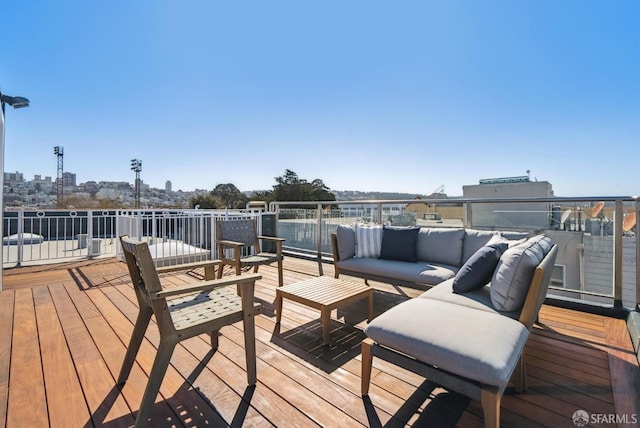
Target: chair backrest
x: 238, y: 230
x: 141, y: 267
x: 538, y: 288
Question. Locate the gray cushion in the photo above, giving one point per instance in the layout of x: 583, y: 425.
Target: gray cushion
x: 476, y: 299
x: 473, y: 241
x: 346, y: 237
x: 512, y: 277
x: 419, y: 273
x: 475, y: 344
x: 439, y: 245
x: 478, y: 270
x: 399, y: 243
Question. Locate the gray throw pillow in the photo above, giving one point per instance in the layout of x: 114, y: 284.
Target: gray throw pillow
x: 513, y: 275
x: 399, y: 243
x: 346, y: 236
x: 478, y: 270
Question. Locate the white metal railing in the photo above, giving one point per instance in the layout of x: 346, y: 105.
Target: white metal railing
x: 174, y: 236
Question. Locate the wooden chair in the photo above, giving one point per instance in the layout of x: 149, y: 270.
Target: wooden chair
x: 239, y: 237
x: 214, y: 303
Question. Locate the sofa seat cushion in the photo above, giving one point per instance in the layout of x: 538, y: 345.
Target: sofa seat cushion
x: 419, y: 273
x: 475, y: 344
x: 477, y: 299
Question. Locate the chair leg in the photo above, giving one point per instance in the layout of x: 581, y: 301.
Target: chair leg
x: 491, y: 408
x: 280, y: 283
x: 249, y: 327
x: 519, y: 376
x: 144, y: 316
x: 220, y: 269
x: 367, y: 362
x: 160, y: 364
x: 214, y: 339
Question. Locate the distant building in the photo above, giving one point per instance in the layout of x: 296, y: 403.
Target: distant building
x: 528, y: 215
x: 68, y: 179
x: 10, y: 177
x: 167, y: 186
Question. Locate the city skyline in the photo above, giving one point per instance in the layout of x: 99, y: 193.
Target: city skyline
x: 363, y: 95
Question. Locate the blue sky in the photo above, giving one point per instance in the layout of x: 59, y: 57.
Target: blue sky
x: 365, y: 95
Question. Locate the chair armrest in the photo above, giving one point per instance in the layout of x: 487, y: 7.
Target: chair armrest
x: 226, y: 243
x: 206, y: 285
x: 277, y: 241
x: 208, y: 265
x: 271, y: 238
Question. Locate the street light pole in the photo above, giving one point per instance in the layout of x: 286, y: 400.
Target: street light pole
x: 59, y: 152
x: 136, y: 165
x: 15, y: 102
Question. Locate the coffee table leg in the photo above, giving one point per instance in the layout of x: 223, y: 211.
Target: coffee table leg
x: 278, y: 307
x: 325, y: 314
x: 370, y: 306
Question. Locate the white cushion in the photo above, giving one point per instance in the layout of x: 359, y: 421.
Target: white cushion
x: 368, y: 240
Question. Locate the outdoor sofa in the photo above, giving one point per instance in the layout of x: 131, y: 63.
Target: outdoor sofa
x: 419, y: 260
x: 467, y: 333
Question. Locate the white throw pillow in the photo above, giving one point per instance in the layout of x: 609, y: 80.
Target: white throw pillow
x: 368, y: 240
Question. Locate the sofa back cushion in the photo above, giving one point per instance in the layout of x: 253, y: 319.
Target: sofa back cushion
x: 346, y: 237
x: 440, y: 245
x: 368, y: 240
x: 473, y: 241
x: 513, y: 275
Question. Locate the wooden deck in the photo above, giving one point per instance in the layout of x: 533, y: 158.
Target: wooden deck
x: 65, y: 328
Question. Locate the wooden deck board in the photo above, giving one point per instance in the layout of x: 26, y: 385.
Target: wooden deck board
x: 67, y: 326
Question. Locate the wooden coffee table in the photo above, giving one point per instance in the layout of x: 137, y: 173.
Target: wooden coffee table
x: 324, y: 293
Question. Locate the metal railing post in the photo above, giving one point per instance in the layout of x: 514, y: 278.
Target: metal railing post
x: 319, y: 237
x: 89, y: 233
x: 467, y: 220
x: 154, y: 229
x: 20, y: 237
x: 617, y: 253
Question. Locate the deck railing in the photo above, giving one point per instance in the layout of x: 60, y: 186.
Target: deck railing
x: 597, y: 258
x: 596, y: 263
x: 37, y: 237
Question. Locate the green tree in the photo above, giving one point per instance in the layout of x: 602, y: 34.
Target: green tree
x: 290, y: 187
x: 230, y: 196
x: 206, y: 201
